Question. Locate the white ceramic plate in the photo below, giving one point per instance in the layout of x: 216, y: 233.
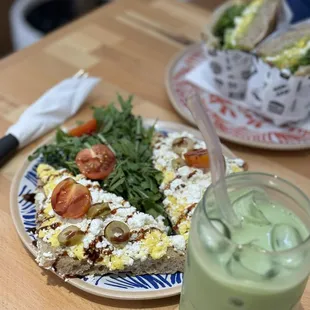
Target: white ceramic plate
x: 117, y: 287
x: 232, y: 123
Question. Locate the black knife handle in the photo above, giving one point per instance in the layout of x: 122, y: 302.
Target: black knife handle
x: 8, y: 145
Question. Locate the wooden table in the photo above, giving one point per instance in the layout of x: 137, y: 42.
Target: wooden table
x: 112, y: 43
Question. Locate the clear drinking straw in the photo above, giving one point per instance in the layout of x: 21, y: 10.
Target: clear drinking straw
x: 200, y: 114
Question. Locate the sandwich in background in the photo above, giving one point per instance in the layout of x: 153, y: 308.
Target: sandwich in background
x: 279, y: 87
x: 242, y: 24
x: 236, y: 28
x: 290, y: 51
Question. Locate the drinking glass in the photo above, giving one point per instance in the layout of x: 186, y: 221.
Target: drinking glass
x: 224, y: 275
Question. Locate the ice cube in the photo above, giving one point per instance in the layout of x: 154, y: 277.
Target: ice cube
x: 251, y: 263
x: 221, y: 227
x: 214, y: 242
x: 291, y: 260
x: 214, y: 245
x: 235, y: 194
x: 247, y: 210
x: 284, y: 237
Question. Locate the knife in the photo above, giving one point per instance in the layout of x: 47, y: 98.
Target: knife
x: 48, y: 112
x: 8, y: 146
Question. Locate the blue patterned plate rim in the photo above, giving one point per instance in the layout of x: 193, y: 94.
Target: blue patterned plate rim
x: 115, y: 287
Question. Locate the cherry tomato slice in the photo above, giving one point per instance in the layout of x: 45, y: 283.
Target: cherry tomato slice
x: 84, y: 129
x: 198, y: 158
x: 70, y: 199
x: 97, y: 162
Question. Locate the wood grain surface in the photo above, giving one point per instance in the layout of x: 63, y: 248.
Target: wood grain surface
x: 128, y: 44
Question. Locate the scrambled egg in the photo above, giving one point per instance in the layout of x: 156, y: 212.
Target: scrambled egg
x: 156, y: 243
x: 175, y: 208
x: 79, y: 251
x: 50, y: 177
x: 184, y: 227
x: 236, y: 169
x: 168, y: 176
x: 116, y: 263
x: 54, y: 239
x: 48, y: 209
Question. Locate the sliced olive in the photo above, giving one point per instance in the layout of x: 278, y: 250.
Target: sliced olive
x: 117, y: 232
x: 98, y: 210
x: 71, y: 235
x: 181, y: 145
x: 178, y: 163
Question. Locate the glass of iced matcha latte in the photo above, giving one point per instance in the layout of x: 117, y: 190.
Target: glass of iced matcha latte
x: 261, y: 264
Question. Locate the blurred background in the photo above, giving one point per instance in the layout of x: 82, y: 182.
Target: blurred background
x: 23, y: 22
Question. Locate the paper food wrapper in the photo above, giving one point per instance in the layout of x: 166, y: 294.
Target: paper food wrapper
x: 249, y: 82
x: 276, y: 94
x: 228, y: 71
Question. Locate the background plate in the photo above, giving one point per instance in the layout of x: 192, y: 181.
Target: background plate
x: 232, y: 123
x: 117, y: 287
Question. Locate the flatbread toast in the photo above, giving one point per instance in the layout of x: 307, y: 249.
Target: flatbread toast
x: 149, y: 250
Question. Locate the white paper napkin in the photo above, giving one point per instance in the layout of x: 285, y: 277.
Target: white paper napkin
x: 52, y: 109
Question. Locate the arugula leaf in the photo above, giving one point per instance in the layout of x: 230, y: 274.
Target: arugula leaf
x: 134, y: 177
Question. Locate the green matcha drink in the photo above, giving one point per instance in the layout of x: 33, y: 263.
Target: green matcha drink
x: 260, y: 265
